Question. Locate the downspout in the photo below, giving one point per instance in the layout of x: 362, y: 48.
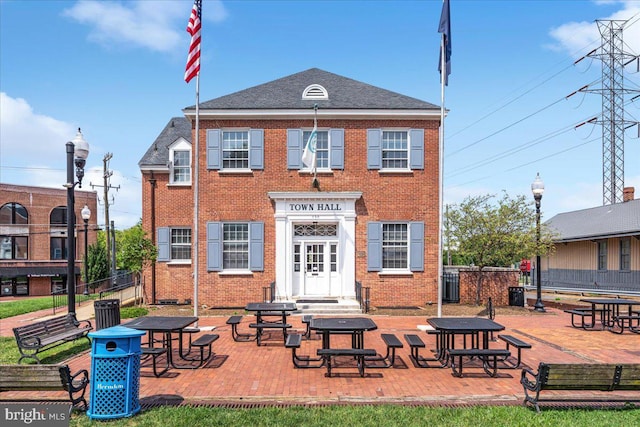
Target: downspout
x: 152, y: 181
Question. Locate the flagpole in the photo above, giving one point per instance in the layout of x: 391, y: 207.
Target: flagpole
x: 315, y: 184
x: 194, y: 256
x: 443, y: 75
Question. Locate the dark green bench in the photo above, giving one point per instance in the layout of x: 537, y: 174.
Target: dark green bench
x: 580, y: 377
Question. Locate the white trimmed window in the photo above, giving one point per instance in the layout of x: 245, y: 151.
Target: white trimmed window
x: 180, y: 163
x: 235, y: 149
x: 180, y: 244
x: 395, y: 150
x: 395, y: 247
x: 322, y: 148
x: 235, y: 246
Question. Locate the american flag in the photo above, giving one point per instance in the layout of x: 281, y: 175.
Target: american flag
x: 193, y: 28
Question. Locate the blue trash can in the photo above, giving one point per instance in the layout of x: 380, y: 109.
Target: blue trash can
x: 115, y: 371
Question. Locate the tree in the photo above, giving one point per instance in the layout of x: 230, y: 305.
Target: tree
x: 98, y: 265
x: 134, y: 250
x: 496, y: 232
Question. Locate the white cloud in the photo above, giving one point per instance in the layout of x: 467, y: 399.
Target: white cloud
x: 28, y: 136
x: 578, y: 38
x: 32, y: 153
x: 156, y: 25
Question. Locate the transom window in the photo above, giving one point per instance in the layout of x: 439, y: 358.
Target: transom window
x: 322, y: 147
x: 235, y: 150
x: 13, y: 214
x: 58, y: 216
x: 315, y: 230
x: 235, y: 246
x: 395, y: 152
x: 395, y: 246
x: 181, y: 166
x: 180, y: 244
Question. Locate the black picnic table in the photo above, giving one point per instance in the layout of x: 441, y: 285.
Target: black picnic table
x: 610, y: 310
x: 450, y: 327
x: 269, y: 309
x: 356, y: 326
x: 166, y: 325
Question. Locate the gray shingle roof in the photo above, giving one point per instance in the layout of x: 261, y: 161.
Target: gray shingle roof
x: 619, y: 219
x: 286, y: 94
x: 158, y: 153
x: 344, y: 93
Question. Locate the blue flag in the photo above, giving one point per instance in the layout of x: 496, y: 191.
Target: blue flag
x: 445, y: 29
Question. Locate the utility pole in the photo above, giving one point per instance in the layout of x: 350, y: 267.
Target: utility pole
x: 107, y: 186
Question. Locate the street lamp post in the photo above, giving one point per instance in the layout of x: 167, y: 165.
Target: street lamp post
x: 86, y: 215
x: 537, y: 188
x: 77, y: 153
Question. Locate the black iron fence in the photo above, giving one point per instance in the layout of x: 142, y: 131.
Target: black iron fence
x: 118, y: 286
x: 363, y: 296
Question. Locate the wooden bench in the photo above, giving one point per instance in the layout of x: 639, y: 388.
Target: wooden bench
x: 580, y: 376
x: 358, y: 353
x: 517, y: 343
x: 488, y: 356
x: 46, y: 334
x: 392, y: 342
x: 259, y: 327
x: 582, y: 313
x: 46, y: 377
x: 234, y: 321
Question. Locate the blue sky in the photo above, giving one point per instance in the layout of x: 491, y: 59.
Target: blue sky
x: 115, y: 68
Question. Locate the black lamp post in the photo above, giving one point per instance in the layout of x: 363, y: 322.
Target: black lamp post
x: 537, y: 188
x: 77, y: 153
x: 86, y: 215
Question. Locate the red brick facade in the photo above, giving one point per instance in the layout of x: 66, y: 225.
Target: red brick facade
x: 495, y: 285
x: 39, y: 203
x: 371, y: 216
x: 410, y: 196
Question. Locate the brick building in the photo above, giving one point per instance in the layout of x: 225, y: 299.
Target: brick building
x: 371, y: 216
x: 33, y: 238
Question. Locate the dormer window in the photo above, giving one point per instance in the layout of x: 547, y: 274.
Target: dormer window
x: 315, y: 91
x: 180, y: 163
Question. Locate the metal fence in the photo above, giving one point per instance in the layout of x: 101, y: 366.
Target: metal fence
x: 122, y: 286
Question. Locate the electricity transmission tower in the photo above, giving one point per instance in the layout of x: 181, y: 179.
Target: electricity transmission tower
x: 613, y: 92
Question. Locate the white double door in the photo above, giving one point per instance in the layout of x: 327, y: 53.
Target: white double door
x: 316, y: 266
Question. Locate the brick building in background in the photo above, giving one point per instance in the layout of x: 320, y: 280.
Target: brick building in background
x: 33, y: 238
x: 372, y: 217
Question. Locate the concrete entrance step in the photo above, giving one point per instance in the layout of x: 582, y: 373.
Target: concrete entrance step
x: 341, y: 307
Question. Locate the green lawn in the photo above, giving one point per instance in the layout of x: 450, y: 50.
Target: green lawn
x: 374, y: 416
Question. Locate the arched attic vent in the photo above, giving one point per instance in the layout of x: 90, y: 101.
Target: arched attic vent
x: 315, y: 91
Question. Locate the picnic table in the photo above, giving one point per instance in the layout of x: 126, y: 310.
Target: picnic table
x: 478, y: 329
x: 168, y: 325
x: 611, y: 314
x: 354, y: 326
x: 265, y: 310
